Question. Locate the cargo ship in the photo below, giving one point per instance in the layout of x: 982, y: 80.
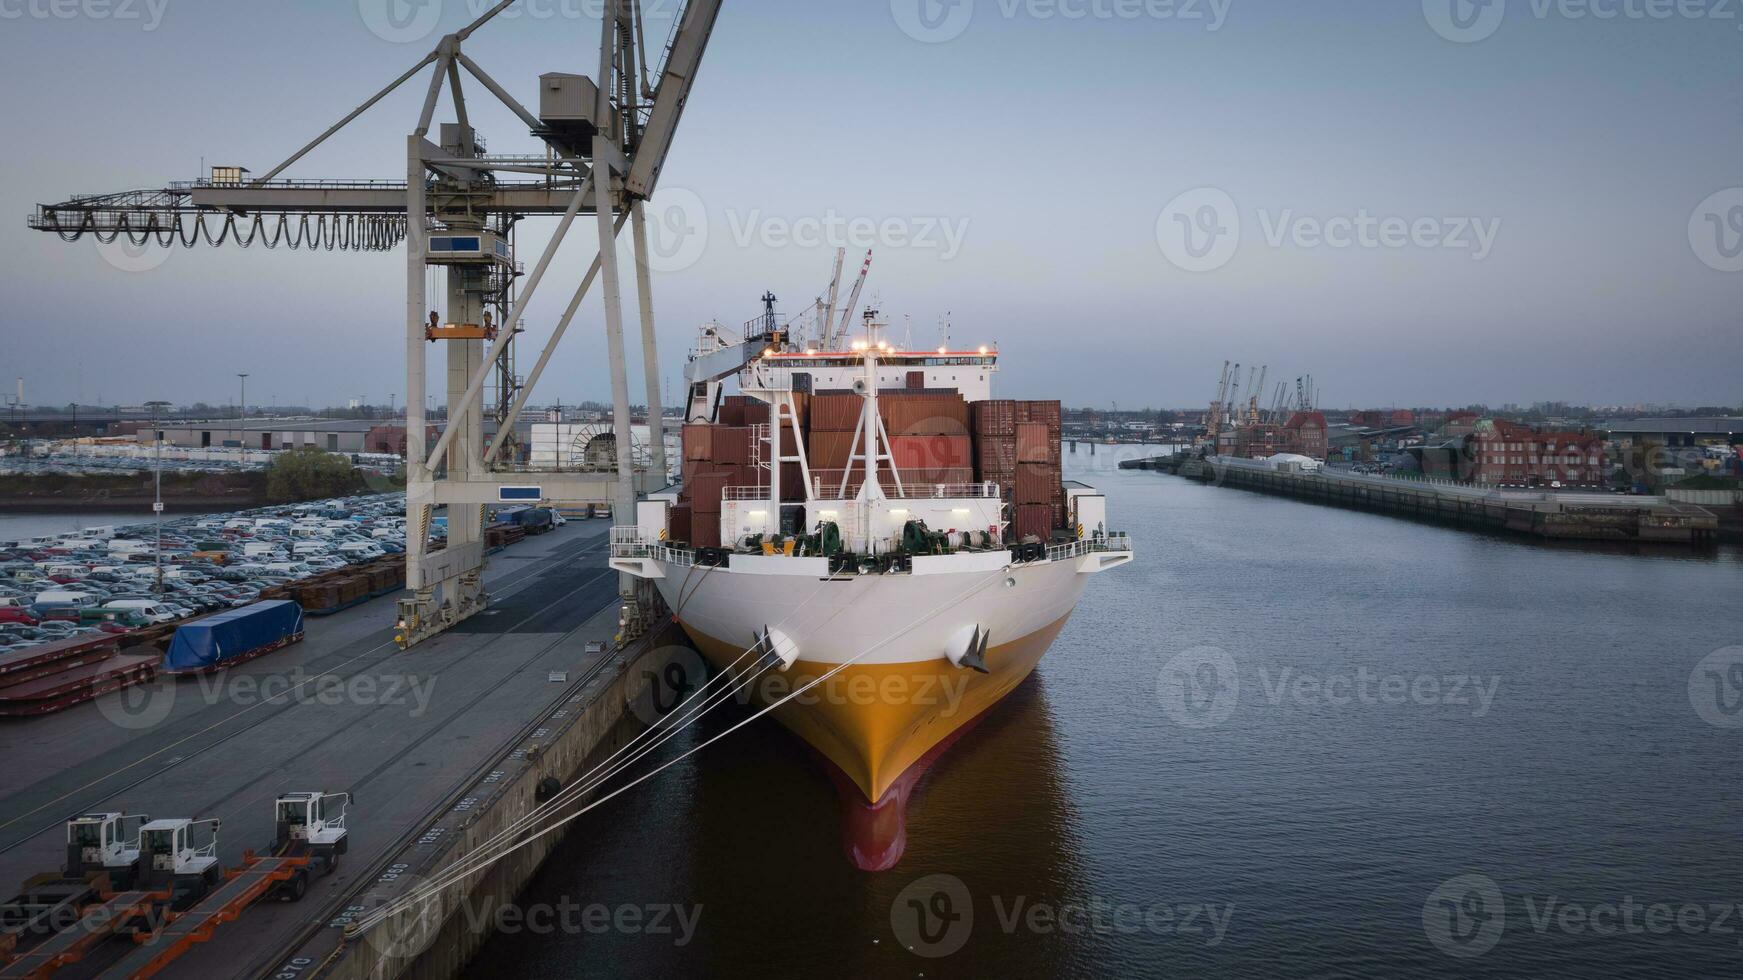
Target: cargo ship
x: 870, y: 519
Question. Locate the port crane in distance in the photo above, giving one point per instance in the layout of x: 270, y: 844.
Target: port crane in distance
x: 603, y: 142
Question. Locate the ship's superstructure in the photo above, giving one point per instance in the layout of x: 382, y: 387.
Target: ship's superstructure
x: 872, y: 522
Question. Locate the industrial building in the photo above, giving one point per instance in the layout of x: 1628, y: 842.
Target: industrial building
x: 333, y: 435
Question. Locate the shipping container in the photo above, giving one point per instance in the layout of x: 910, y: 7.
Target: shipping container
x: 916, y: 379
x: 1032, y: 520
x: 732, y: 445
x: 1032, y: 442
x: 698, y: 443
x: 1037, y: 483
x: 996, y: 417
x: 233, y: 635
x: 678, y: 523
x: 836, y: 412
x: 829, y: 450
x: 914, y: 414
x: 705, y: 493
x: 934, y: 452
x: 705, y: 530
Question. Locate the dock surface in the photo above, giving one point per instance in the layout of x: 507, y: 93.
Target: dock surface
x: 343, y: 711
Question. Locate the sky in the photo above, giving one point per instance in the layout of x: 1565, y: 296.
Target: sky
x: 1418, y: 202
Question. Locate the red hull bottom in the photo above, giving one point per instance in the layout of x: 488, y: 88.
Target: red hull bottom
x: 875, y: 835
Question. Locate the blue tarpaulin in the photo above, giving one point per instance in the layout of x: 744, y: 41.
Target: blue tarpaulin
x: 234, y: 633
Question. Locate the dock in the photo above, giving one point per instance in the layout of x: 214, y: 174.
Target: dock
x: 435, y: 744
x: 1546, y: 514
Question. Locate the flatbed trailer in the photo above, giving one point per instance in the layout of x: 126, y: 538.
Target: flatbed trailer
x: 246, y: 885
x: 83, y: 683
x: 72, y: 943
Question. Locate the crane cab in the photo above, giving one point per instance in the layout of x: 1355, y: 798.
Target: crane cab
x: 180, y: 855
x: 106, y: 842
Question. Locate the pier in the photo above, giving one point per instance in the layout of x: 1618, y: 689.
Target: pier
x: 439, y: 747
x: 1549, y: 514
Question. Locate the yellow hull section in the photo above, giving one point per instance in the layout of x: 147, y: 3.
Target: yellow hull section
x: 874, y: 721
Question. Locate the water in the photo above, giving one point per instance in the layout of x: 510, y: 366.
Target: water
x: 1316, y: 827
x: 18, y: 526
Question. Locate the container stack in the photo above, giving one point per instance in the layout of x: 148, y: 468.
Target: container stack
x: 1017, y: 445
x: 931, y: 440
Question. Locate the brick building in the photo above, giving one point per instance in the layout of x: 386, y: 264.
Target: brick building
x: 1508, y: 452
x: 1305, y: 433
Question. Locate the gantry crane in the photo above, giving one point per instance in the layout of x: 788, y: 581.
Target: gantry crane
x: 604, y: 142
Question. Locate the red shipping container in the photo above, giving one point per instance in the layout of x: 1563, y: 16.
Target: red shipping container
x: 830, y: 450
x: 1032, y: 520
x: 1039, y: 411
x: 732, y: 445
x: 955, y: 475
x: 923, y: 414
x: 836, y: 412
x: 1037, y: 483
x: 756, y: 413
x: 995, y: 417
x: 932, y: 452
x: 705, y: 530
x: 679, y: 526
x: 1032, y: 443
x: 731, y: 411
x: 916, y: 379
x: 705, y: 492
x: 698, y: 443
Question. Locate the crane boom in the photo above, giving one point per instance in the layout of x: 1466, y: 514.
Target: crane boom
x: 852, y: 301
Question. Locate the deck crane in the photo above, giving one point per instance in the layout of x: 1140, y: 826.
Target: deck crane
x: 603, y: 143
x: 840, y: 333
x: 824, y: 341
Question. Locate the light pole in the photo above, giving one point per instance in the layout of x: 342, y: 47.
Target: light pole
x: 157, y: 488
x: 242, y: 399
